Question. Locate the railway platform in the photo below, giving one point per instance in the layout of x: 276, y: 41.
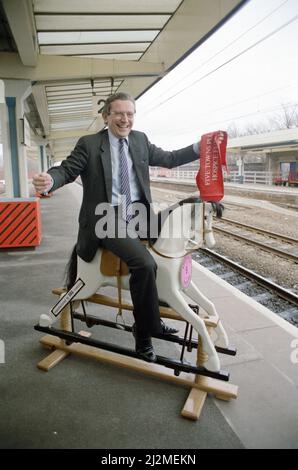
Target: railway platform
x: 83, y: 403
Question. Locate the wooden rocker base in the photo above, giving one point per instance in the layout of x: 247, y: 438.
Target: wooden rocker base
x: 200, y: 386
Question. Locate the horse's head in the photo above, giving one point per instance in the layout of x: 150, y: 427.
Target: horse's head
x: 210, y: 209
x: 202, y: 216
x: 186, y: 226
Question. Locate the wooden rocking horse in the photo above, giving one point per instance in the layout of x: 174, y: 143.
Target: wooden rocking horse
x: 188, y: 226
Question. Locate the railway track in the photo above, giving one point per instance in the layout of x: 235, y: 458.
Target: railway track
x: 271, y: 295
x: 266, y: 240
x: 279, y: 245
x: 279, y: 300
x: 293, y: 207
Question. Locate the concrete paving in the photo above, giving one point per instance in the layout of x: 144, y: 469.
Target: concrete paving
x: 265, y: 414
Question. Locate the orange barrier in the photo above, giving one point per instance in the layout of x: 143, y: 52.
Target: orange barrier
x: 20, y: 222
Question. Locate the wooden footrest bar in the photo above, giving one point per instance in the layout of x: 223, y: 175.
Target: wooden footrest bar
x: 52, y: 360
x: 194, y: 404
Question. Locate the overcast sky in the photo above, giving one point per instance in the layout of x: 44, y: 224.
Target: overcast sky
x: 196, y: 98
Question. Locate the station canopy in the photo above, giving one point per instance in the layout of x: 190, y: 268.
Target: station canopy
x: 284, y: 140
x: 78, y: 52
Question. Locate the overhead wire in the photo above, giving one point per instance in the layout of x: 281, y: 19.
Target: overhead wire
x: 230, y: 44
x: 189, y: 130
x: 250, y: 98
x: 225, y: 63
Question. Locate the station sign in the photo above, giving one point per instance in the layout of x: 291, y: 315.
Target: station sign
x: 97, y: 105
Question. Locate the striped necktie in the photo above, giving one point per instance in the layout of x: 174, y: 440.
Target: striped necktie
x: 124, y: 177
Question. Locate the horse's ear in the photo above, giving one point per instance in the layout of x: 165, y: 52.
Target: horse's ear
x: 221, y: 210
x: 218, y: 208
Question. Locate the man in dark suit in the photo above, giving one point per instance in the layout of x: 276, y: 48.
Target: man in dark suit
x: 99, y: 160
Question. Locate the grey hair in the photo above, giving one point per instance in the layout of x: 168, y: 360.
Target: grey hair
x: 117, y: 96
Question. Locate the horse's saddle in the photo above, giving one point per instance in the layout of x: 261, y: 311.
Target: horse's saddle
x: 112, y: 265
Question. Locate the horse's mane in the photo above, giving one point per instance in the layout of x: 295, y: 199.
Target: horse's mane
x: 190, y: 200
x: 164, y: 214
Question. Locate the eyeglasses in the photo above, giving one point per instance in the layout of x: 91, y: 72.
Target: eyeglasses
x: 120, y: 114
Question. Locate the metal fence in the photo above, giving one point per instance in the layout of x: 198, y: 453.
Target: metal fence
x: 248, y: 177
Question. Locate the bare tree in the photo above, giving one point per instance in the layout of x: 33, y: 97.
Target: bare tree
x: 233, y: 130
x: 249, y: 129
x: 256, y: 128
x: 286, y: 119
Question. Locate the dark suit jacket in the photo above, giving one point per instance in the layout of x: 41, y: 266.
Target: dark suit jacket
x: 91, y: 159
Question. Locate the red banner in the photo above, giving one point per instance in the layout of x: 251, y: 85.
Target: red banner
x: 212, y: 157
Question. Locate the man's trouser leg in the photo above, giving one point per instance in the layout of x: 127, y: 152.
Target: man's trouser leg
x: 143, y: 288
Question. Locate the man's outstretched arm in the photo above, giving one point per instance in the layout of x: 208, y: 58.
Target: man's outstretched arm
x: 67, y: 172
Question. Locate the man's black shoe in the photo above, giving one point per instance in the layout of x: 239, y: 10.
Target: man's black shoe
x: 167, y: 330
x: 144, y: 348
x: 146, y: 353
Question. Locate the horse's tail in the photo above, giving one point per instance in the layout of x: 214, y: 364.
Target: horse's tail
x: 71, y: 269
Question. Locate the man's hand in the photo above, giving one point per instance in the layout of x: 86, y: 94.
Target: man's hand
x: 221, y: 136
x: 42, y: 182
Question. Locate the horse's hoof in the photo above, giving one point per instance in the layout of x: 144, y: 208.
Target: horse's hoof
x: 45, y: 320
x: 221, y: 342
x: 222, y: 339
x: 210, y: 243
x: 212, y: 364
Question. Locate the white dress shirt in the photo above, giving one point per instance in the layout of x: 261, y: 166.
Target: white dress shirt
x: 116, y: 183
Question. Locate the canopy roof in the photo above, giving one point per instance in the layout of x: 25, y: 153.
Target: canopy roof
x: 75, y: 50
x: 275, y: 141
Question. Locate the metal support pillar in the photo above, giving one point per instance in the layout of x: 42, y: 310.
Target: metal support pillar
x: 11, y: 105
